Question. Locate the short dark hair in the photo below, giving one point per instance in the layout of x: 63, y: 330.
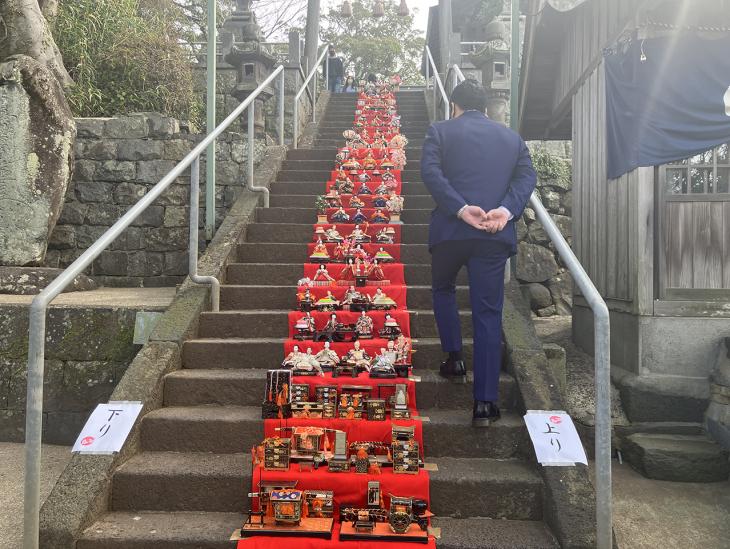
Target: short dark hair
x: 470, y: 96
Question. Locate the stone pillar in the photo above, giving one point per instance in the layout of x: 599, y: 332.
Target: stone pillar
x: 445, y: 32
x: 311, y: 43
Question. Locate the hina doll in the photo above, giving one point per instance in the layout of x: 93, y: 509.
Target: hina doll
x: 292, y: 358
x: 331, y: 330
x: 359, y: 217
x: 348, y: 273
x: 391, y: 328
x: 403, y: 348
x: 328, y: 302
x: 327, y: 357
x: 383, y: 365
x: 305, y: 326
x: 380, y: 201
x: 340, y: 216
x: 356, y: 201
x: 358, y: 357
x: 346, y: 187
x: 374, y: 271
x: 340, y: 178
x: 379, y: 217
x: 384, y: 237
x: 358, y: 252
x: 323, y: 275
x: 342, y: 250
x: 382, y: 256
x: 364, y: 189
x: 369, y: 163
x: 358, y: 235
x: 381, y: 300
x: 364, y: 326
x: 320, y: 253
x: 382, y: 189
x: 332, y: 235
x: 305, y: 299
x: 333, y: 198
x: 364, y: 177
x: 386, y: 164
x: 307, y: 364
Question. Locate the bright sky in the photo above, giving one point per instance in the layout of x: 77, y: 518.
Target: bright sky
x: 422, y: 5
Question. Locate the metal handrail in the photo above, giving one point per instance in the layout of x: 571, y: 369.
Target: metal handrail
x: 602, y: 368
x: 430, y: 62
x: 39, y: 305
x: 312, y: 74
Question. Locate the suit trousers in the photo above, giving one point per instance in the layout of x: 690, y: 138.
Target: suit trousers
x: 485, y: 263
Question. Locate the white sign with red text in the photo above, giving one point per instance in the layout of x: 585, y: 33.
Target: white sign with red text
x: 107, y: 428
x: 554, y: 437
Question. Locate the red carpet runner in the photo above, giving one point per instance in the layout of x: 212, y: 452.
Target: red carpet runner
x: 357, y: 239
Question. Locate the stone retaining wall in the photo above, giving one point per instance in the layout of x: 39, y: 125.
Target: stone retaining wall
x: 87, y: 352
x: 546, y: 283
x: 117, y: 161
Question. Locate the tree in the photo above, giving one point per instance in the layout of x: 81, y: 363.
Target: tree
x: 24, y: 30
x: 384, y: 45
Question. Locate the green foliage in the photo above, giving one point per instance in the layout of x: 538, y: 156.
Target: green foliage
x: 384, y: 45
x: 551, y: 168
x: 125, y: 56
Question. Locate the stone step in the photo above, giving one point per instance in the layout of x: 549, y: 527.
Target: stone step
x: 234, y: 353
x: 246, y: 387
x: 282, y: 274
x: 322, y: 175
x: 677, y: 458
x: 161, y: 530
x: 347, y: 123
x: 262, y: 297
x: 304, y: 232
x: 309, y: 215
x: 334, y: 143
x: 328, y: 153
x: 299, y: 200
x: 238, y: 322
x: 276, y: 252
x: 335, y: 130
x: 317, y: 188
x: 480, y: 487
x: 234, y: 429
x: 484, y: 533
x: 169, y: 481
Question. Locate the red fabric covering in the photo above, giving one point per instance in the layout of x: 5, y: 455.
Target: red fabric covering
x: 346, y: 317
x: 350, y: 488
x: 362, y: 379
x: 371, y: 346
x: 276, y: 542
x: 366, y: 198
x: 371, y: 249
x: 392, y: 271
x: 359, y: 154
x: 396, y: 293
x: 372, y: 185
x: 356, y: 429
x: 367, y: 212
x: 345, y: 229
x: 396, y: 173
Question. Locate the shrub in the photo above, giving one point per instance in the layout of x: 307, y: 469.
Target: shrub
x: 125, y: 56
x: 550, y: 167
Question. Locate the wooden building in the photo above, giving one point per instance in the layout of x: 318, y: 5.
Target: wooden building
x: 656, y: 241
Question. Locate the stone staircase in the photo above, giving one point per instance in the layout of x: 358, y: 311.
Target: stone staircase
x: 187, y: 487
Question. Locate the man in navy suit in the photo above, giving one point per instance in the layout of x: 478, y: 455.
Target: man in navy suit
x: 480, y: 174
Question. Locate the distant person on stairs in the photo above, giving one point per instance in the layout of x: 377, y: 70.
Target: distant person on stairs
x: 335, y: 71
x: 480, y: 174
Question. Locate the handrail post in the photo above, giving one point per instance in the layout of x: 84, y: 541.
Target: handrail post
x: 314, y: 97
x: 34, y: 423
x: 602, y: 364
x: 211, y: 70
x: 215, y: 286
x: 281, y: 108
x: 428, y: 72
x: 295, y: 142
x: 251, y: 154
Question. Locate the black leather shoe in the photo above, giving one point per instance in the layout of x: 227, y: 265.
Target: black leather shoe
x: 455, y: 370
x: 485, y: 413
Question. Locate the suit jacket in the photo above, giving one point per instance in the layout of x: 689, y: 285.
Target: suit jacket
x: 472, y: 160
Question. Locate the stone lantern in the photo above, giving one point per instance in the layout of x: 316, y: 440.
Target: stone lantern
x: 493, y: 61
x: 242, y: 49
